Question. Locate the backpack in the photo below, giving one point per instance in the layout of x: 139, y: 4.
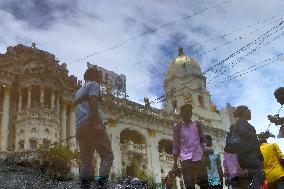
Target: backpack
x: 233, y: 140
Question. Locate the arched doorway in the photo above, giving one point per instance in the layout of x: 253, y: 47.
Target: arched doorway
x: 165, y: 148
x: 133, y: 153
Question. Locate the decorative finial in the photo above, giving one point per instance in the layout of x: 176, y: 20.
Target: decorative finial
x: 146, y: 101
x: 34, y: 45
x: 187, y: 99
x: 180, y: 51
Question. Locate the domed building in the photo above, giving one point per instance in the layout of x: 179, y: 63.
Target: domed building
x: 37, y: 105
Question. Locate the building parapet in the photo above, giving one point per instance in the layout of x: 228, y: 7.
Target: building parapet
x: 37, y: 113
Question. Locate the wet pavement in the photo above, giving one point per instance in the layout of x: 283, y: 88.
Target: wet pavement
x: 13, y: 176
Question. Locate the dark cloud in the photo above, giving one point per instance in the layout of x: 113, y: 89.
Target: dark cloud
x: 37, y: 13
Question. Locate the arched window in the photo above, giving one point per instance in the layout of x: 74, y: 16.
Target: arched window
x: 166, y: 146
x: 21, y: 131
x: 132, y: 135
x: 46, y: 143
x: 33, y: 144
x: 21, y: 144
x: 33, y: 130
x: 200, y: 100
x: 46, y: 131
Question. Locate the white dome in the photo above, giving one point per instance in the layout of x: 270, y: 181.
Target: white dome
x: 183, y: 65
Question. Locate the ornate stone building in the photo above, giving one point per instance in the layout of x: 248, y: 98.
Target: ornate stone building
x: 37, y: 100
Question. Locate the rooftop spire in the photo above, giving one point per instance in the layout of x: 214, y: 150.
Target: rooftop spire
x: 180, y: 51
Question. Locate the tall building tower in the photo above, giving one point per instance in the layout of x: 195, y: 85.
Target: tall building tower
x: 184, y: 83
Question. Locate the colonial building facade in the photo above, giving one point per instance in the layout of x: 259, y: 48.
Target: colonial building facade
x: 37, y: 107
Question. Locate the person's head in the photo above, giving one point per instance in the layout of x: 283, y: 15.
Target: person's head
x: 208, y: 140
x: 93, y: 74
x: 262, y: 141
x: 186, y: 112
x: 243, y: 112
x: 279, y: 95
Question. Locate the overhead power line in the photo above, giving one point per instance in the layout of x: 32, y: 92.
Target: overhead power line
x: 235, y: 31
x: 238, y: 38
x: 245, y: 71
x: 241, y: 58
x: 153, y: 30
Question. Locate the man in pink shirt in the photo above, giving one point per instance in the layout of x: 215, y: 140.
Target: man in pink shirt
x: 188, y: 145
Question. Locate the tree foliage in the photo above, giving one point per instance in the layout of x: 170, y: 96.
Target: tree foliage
x: 57, y: 161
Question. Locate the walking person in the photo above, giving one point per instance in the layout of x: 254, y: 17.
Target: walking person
x: 215, y: 172
x: 234, y: 175
x: 272, y: 167
x: 249, y: 155
x: 91, y: 132
x: 188, y: 145
x: 169, y: 180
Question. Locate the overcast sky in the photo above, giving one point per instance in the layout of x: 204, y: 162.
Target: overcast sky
x: 73, y: 30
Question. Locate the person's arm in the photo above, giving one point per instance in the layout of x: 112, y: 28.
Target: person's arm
x: 95, y: 98
x: 207, y: 150
x: 201, y: 134
x: 226, y: 171
x: 276, y: 120
x: 280, y: 121
x: 175, y: 145
x: 219, y: 167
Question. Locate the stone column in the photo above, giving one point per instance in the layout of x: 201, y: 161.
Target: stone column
x: 5, y: 119
x: 52, y: 99
x: 41, y: 98
x: 26, y: 145
x: 58, y: 106
x: 72, y: 126
x: 29, y: 102
x: 63, y: 121
x: 153, y: 155
x: 20, y: 101
x: 115, y: 145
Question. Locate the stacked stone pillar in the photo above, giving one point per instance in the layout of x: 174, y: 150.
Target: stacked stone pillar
x: 20, y: 102
x: 63, y: 118
x: 115, y: 145
x: 153, y: 155
x: 29, y: 102
x: 72, y: 126
x: 41, y: 99
x: 52, y: 99
x: 5, y: 119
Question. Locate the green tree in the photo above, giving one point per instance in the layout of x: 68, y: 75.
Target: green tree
x: 57, y: 161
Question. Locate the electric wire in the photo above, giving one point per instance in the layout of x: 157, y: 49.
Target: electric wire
x: 154, y: 30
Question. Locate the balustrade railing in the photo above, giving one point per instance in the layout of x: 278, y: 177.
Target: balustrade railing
x: 132, y: 106
x: 166, y: 157
x: 27, y: 155
x: 131, y: 147
x: 44, y: 113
